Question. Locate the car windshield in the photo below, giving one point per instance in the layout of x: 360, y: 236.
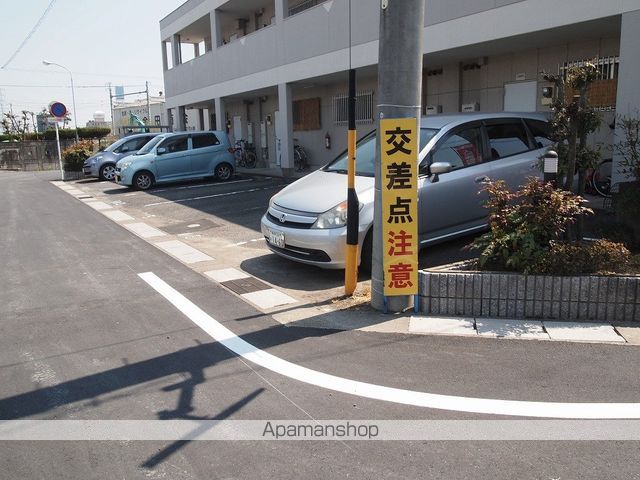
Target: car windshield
x: 115, y: 145
x: 149, y: 146
x: 366, y: 154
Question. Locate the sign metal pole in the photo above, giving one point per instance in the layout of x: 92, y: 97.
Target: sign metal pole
x: 59, y: 153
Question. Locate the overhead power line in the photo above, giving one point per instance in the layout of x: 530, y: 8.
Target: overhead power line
x: 66, y: 86
x: 30, y: 34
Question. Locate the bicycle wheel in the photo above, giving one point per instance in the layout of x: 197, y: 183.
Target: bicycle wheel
x: 250, y: 160
x: 601, y: 179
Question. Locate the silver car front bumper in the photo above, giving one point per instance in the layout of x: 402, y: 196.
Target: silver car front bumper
x: 324, y: 248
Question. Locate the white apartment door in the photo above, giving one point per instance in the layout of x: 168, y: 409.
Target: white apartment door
x: 521, y: 96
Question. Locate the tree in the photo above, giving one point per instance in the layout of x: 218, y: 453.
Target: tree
x: 573, y: 120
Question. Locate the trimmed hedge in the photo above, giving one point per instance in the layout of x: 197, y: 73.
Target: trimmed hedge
x: 88, y: 133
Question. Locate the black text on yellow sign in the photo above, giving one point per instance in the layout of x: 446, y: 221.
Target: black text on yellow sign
x: 399, y: 163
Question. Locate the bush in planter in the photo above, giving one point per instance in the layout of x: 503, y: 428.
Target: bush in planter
x: 74, y: 156
x: 600, y: 256
x: 524, y: 223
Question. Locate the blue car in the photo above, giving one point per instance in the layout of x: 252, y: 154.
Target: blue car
x: 179, y: 156
x: 102, y: 165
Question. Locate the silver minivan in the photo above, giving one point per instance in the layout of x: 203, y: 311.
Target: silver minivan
x: 306, y: 221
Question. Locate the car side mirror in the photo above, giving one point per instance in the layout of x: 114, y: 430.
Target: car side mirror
x: 161, y: 150
x: 439, y: 168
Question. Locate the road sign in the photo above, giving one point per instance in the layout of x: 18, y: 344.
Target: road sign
x: 399, y: 159
x: 57, y: 109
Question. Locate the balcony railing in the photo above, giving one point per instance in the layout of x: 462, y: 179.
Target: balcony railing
x: 299, y: 7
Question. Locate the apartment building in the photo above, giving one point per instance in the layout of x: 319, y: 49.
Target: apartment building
x: 275, y: 71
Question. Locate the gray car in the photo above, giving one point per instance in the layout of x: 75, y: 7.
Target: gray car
x: 306, y: 221
x: 102, y: 165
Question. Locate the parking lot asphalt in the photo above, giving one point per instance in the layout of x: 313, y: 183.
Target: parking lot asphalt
x: 84, y: 337
x: 222, y: 219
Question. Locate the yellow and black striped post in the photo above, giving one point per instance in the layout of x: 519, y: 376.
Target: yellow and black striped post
x: 351, y: 265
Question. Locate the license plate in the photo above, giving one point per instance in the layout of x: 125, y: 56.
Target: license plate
x: 276, y: 238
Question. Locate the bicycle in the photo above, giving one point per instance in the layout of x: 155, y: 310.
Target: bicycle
x: 600, y: 179
x: 300, y: 157
x: 245, y: 154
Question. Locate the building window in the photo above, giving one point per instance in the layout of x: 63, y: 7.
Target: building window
x: 306, y: 114
x: 364, y: 108
x: 157, y: 119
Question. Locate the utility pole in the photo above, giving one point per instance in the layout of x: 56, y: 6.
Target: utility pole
x: 111, y: 107
x: 146, y: 84
x: 399, y: 87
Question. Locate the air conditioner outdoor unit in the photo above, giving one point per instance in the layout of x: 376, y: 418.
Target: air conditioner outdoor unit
x: 470, y: 107
x: 433, y: 109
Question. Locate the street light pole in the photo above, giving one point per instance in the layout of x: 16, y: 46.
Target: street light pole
x: 73, y: 94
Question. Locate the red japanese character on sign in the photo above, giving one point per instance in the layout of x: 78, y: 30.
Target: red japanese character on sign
x: 398, y: 138
x: 400, y: 274
x: 400, y: 243
x: 399, y: 175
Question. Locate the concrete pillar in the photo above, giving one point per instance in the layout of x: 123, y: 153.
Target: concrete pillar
x: 628, y: 95
x: 165, y: 61
x: 285, y: 106
x: 214, y: 21
x: 201, y: 119
x: 176, y: 50
x: 169, y: 118
x: 220, y: 115
x: 179, y: 120
x: 282, y: 8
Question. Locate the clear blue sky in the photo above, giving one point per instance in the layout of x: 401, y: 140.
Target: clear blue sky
x: 115, y: 41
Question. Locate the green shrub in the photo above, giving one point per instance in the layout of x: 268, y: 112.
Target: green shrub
x: 76, y: 154
x: 93, y: 132
x: 523, y: 224
x: 65, y: 134
x: 600, y: 256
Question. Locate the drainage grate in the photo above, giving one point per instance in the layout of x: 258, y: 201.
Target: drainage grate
x: 246, y: 285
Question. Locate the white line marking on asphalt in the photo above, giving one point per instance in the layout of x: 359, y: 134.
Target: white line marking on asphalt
x: 582, y: 332
x: 183, y: 252
x: 99, y: 206
x: 193, y: 199
x: 268, y: 298
x: 143, y: 230
x: 117, y: 215
x: 216, y: 184
x: 226, y: 275
x: 379, y: 392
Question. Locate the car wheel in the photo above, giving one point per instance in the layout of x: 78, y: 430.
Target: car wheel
x: 223, y: 172
x: 143, y: 180
x: 366, y: 254
x: 108, y: 172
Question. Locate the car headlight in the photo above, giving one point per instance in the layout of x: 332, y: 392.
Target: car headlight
x: 124, y: 165
x: 334, y: 218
